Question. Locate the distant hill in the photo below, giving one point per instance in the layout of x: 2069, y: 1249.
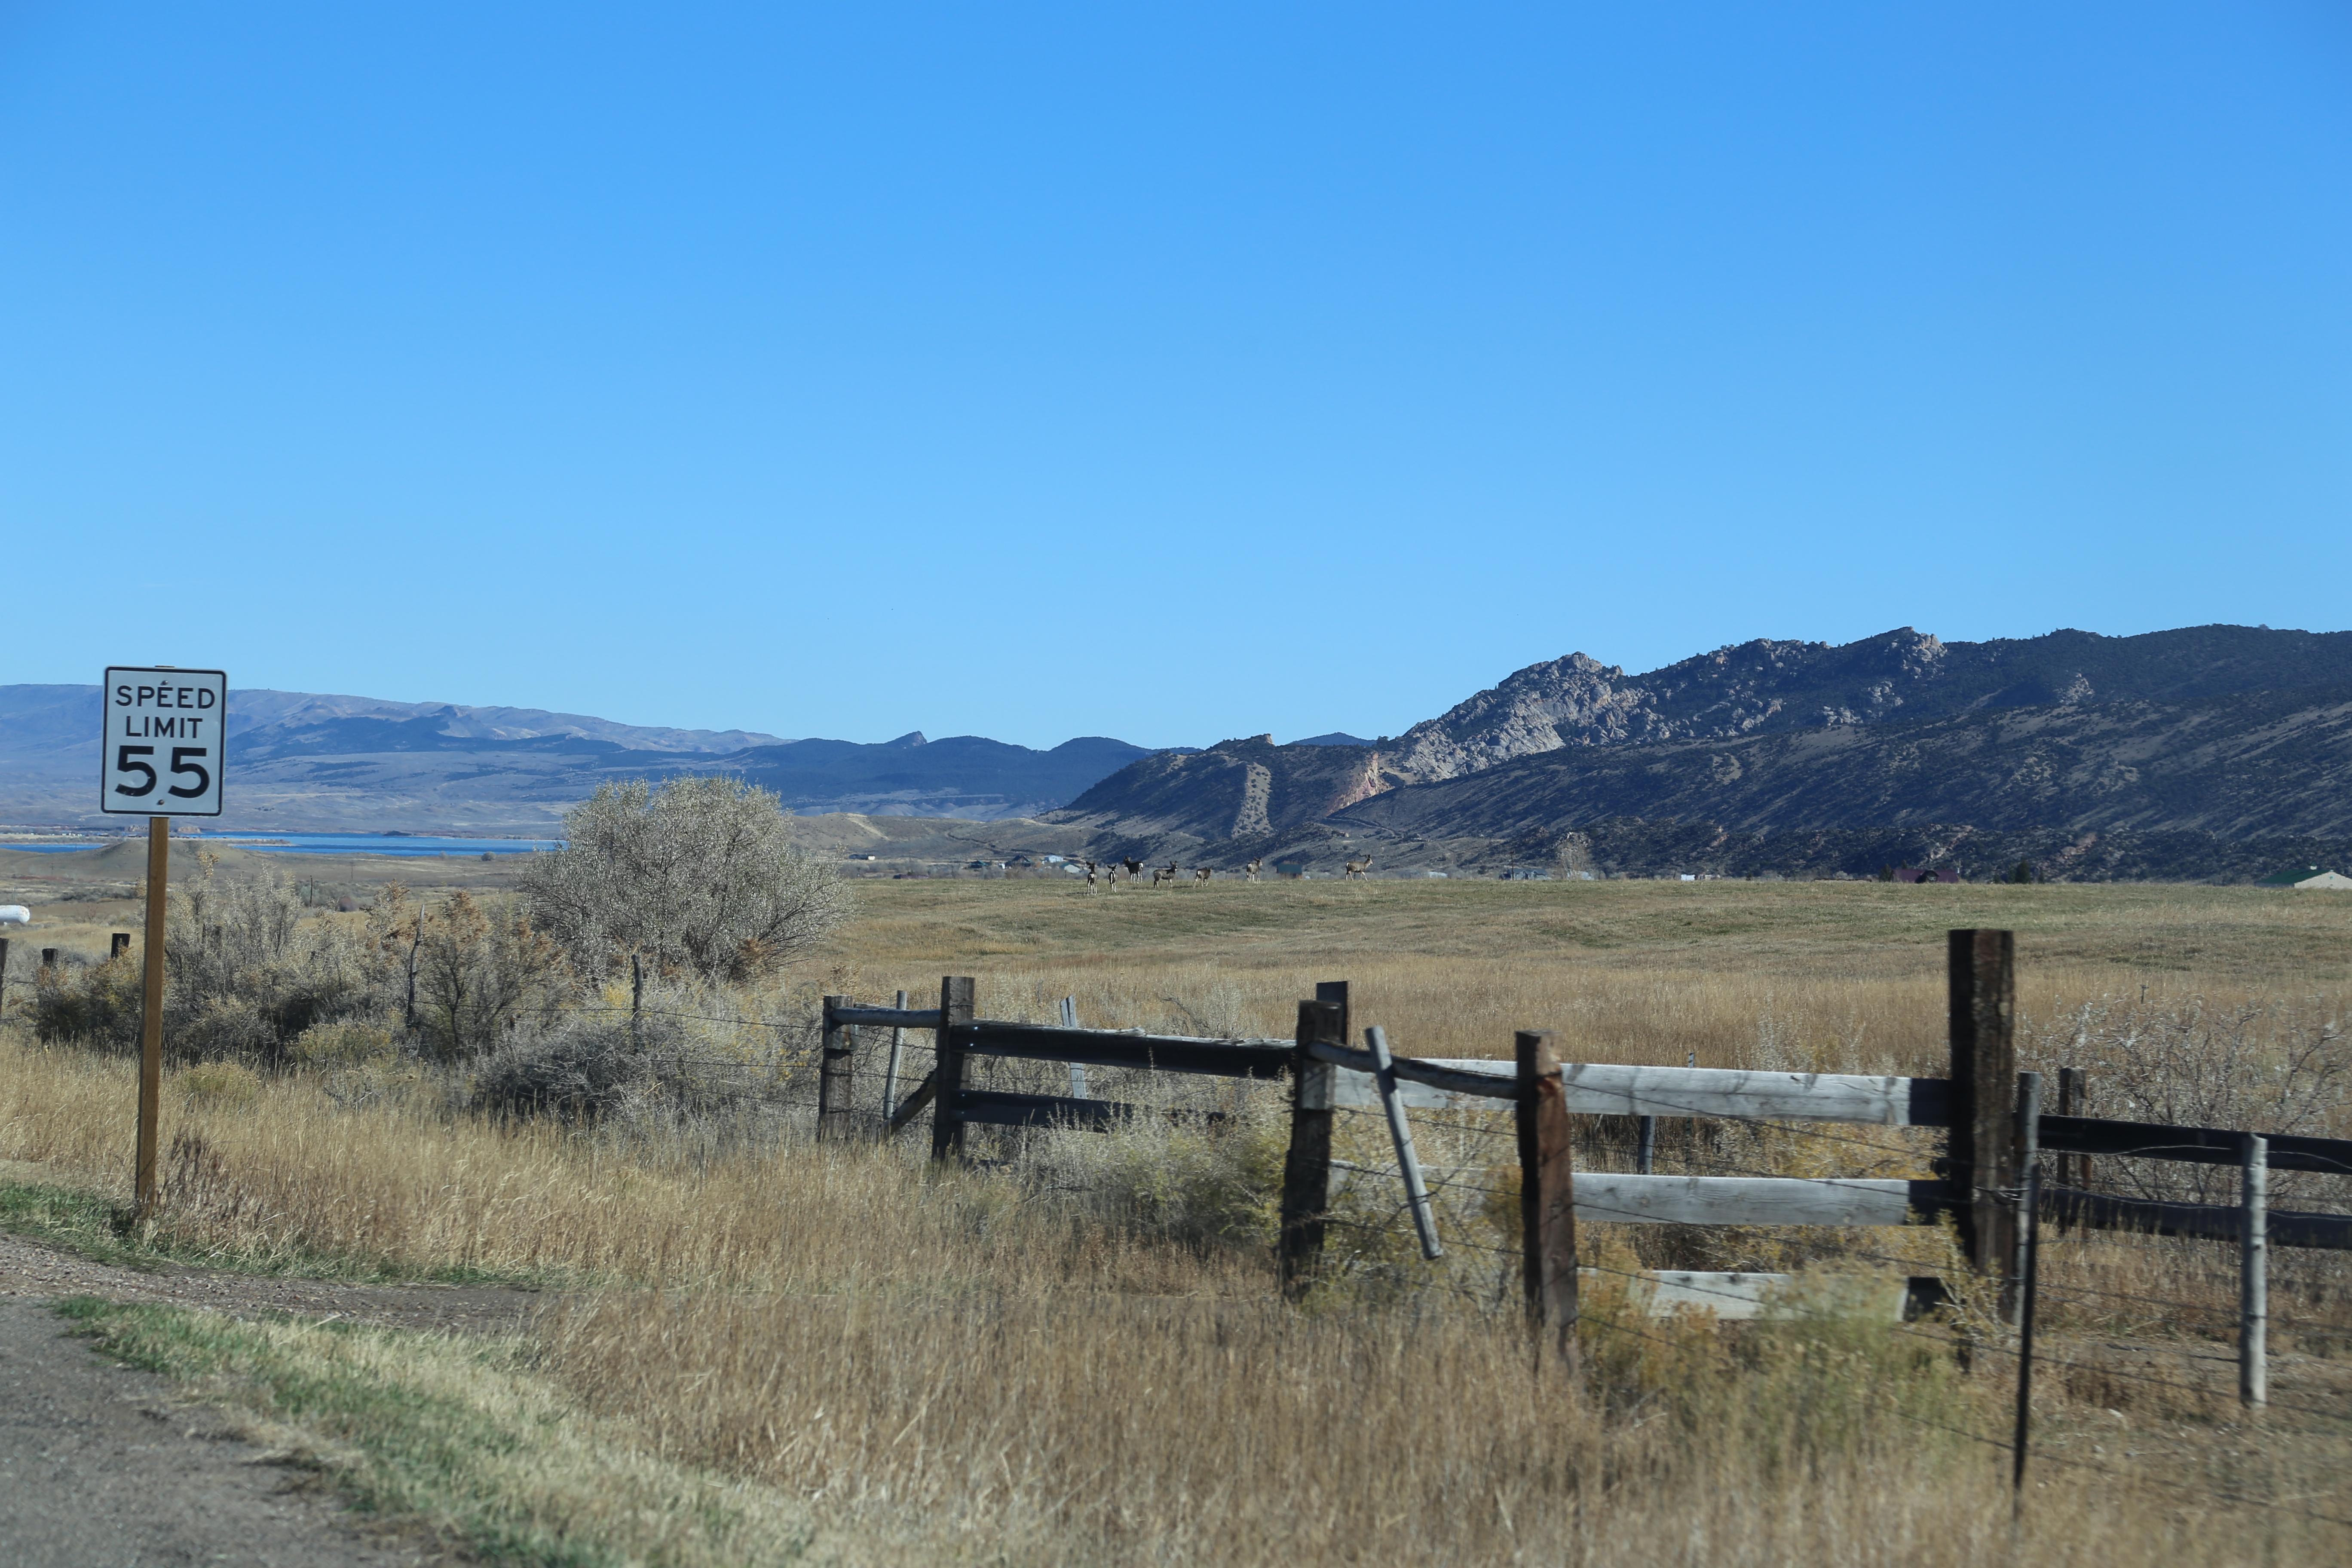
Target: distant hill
x: 307, y: 761
x: 2252, y: 764
x: 1243, y: 790
x: 1766, y: 687
x: 2170, y: 748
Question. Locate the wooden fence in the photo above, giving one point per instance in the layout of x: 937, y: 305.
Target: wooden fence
x: 1990, y: 1114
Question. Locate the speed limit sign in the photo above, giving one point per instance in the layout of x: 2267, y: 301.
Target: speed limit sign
x: 162, y: 749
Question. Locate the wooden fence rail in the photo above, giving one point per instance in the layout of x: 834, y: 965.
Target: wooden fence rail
x: 2208, y: 1221
x: 1989, y: 1114
x: 2189, y: 1146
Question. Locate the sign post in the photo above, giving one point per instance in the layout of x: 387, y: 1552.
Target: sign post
x: 162, y: 754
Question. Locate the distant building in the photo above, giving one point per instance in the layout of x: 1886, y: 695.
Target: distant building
x: 2292, y: 877
x: 1916, y: 874
x: 2332, y: 882
x: 1292, y: 868
x: 1524, y: 874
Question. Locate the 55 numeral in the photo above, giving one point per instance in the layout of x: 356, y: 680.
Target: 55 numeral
x: 126, y: 761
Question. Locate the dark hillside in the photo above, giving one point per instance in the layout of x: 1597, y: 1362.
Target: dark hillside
x: 1766, y: 687
x: 2246, y: 766
x: 1235, y: 790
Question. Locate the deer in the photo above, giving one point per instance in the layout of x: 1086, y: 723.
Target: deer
x: 1134, y: 868
x: 1200, y: 876
x: 1250, y: 871
x: 1168, y: 876
x: 1090, y: 878
x: 1356, y: 868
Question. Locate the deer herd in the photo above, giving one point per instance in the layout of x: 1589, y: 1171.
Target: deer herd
x: 1101, y: 875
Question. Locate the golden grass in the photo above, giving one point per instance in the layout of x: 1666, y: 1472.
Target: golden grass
x: 1629, y: 971
x: 966, y: 1366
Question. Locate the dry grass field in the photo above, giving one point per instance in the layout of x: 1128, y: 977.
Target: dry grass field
x: 849, y: 1357
x: 1638, y: 972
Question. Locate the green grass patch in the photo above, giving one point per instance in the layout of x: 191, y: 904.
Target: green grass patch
x: 97, y: 1228
x: 459, y: 1436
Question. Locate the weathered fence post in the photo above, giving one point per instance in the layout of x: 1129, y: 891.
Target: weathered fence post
x: 4, y: 974
x: 1307, y: 1165
x: 833, y: 1082
x: 956, y: 1006
x: 1547, y: 1191
x: 1979, y: 1152
x: 2254, y: 1274
x: 2028, y: 1157
x: 1335, y: 991
x: 2073, y: 1100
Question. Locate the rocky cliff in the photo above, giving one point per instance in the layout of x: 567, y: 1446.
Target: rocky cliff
x: 2252, y: 764
x: 1766, y: 687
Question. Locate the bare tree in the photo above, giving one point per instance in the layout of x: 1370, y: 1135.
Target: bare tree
x: 698, y: 874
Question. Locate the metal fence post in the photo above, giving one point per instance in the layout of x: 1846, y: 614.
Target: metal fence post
x: 891, y: 1073
x: 2031, y: 1270
x: 1077, y: 1069
x: 2254, y: 1274
x: 2028, y: 1159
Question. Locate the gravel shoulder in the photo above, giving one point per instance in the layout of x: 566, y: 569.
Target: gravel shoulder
x: 34, y: 1271
x: 102, y: 1463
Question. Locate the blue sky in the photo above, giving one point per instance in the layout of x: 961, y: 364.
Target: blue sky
x: 1170, y: 373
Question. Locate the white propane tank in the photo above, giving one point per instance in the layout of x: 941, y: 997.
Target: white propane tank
x: 15, y: 915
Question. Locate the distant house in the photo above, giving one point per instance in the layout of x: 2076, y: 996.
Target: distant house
x: 1916, y: 874
x: 1524, y: 874
x: 2294, y: 877
x: 2332, y: 882
x: 1292, y: 868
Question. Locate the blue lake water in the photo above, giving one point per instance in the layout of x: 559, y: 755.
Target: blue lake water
x: 334, y: 844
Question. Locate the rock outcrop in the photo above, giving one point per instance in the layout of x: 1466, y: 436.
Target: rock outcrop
x: 1765, y: 687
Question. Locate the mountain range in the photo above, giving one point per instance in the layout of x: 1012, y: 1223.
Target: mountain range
x: 2201, y: 751
x: 304, y: 761
x: 2204, y: 751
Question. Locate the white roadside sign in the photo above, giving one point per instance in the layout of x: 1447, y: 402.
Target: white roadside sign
x: 163, y: 751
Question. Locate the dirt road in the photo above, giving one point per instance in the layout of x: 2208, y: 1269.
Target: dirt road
x: 101, y: 1467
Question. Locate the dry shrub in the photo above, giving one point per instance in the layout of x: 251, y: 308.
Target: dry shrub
x: 2267, y: 1065
x: 244, y: 975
